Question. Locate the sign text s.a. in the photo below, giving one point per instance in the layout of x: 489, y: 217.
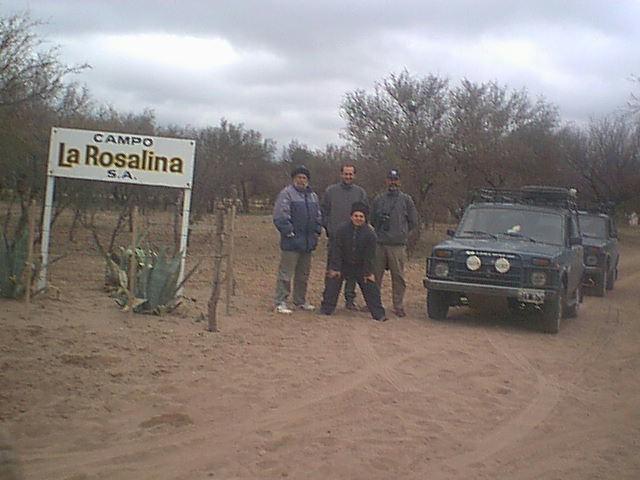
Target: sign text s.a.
x: 121, y: 175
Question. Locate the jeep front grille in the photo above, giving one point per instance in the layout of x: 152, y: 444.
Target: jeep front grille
x: 487, y: 274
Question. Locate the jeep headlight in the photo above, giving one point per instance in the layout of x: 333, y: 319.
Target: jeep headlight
x: 538, y: 279
x: 441, y: 269
x: 473, y: 262
x: 591, y: 260
x: 502, y: 265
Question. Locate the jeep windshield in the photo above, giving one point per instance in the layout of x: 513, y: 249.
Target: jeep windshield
x: 518, y: 224
x: 593, y: 226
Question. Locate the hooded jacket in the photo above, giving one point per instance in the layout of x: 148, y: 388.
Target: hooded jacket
x: 297, y: 217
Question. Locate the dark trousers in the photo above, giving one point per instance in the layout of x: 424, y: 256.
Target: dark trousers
x: 370, y: 292
x: 350, y: 284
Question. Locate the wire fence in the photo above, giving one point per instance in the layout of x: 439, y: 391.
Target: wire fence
x: 78, y: 266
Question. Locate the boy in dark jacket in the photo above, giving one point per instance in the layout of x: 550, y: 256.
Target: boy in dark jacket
x: 352, y: 255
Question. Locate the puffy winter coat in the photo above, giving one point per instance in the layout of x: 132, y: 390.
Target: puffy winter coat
x: 297, y: 217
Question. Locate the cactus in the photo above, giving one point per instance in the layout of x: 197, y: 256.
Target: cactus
x: 13, y: 256
x: 156, y: 279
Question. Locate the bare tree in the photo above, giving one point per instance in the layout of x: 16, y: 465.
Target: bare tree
x: 231, y: 157
x: 28, y: 72
x: 401, y: 124
x: 606, y: 157
x: 496, y: 135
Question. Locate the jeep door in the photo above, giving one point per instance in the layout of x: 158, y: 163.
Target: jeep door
x: 575, y: 253
x: 612, y: 245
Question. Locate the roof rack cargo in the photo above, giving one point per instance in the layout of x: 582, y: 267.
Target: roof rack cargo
x: 604, y: 208
x: 530, y: 195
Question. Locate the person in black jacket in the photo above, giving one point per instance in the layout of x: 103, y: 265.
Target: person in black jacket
x: 352, y: 256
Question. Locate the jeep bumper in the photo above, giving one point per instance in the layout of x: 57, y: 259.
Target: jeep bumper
x: 526, y: 295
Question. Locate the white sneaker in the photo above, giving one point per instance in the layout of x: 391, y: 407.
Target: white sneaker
x: 307, y: 307
x: 282, y: 308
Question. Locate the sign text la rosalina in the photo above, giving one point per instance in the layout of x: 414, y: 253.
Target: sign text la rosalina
x: 118, y: 157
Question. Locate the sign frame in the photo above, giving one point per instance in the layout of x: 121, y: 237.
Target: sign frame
x: 134, y: 159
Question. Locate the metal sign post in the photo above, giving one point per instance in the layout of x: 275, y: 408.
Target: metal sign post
x: 46, y: 231
x: 184, y: 236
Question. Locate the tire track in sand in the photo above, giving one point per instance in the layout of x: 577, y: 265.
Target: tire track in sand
x: 117, y: 457
x: 381, y: 368
x: 549, y: 393
x: 547, y: 397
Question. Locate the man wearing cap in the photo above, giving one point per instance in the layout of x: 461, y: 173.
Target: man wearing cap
x: 336, y: 210
x: 352, y: 256
x: 394, y: 215
x: 297, y: 217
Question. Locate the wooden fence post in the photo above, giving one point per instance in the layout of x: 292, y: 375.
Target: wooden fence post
x: 29, y: 264
x: 133, y: 261
x: 217, y: 267
x: 230, y: 275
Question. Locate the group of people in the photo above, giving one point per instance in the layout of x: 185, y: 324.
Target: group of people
x: 363, y: 242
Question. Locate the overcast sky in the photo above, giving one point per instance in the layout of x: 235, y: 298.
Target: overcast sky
x: 283, y: 67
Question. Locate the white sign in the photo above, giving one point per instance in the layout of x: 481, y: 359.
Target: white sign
x: 121, y: 157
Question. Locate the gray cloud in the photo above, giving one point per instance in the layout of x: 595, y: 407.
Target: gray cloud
x: 283, y: 67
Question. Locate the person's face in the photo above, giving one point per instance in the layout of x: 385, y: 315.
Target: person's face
x: 300, y: 181
x: 348, y: 174
x: 393, y: 184
x: 358, y: 219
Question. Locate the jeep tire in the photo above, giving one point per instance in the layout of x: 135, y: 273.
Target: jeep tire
x: 552, y: 314
x: 601, y: 285
x: 611, y: 279
x: 571, y: 311
x: 437, y: 304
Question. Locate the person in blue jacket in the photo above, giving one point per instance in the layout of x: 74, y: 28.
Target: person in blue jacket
x: 297, y: 217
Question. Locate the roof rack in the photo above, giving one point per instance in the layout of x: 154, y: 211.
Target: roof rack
x: 529, y: 195
x: 605, y: 208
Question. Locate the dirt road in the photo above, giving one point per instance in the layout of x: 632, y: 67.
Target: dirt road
x: 87, y: 393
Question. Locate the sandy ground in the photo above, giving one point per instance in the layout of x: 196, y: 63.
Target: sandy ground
x: 88, y: 393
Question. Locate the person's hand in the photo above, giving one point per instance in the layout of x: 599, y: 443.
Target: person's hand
x: 333, y: 274
x: 370, y: 278
x: 290, y: 235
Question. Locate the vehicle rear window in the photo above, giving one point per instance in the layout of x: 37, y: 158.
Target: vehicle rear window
x: 593, y: 226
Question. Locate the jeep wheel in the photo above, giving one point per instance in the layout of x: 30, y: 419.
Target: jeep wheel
x: 437, y: 304
x: 611, y: 280
x: 572, y: 310
x: 552, y: 314
x: 514, y: 306
x: 600, y: 288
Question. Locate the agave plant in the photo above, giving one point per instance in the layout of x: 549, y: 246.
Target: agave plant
x: 156, y: 279
x: 13, y: 257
